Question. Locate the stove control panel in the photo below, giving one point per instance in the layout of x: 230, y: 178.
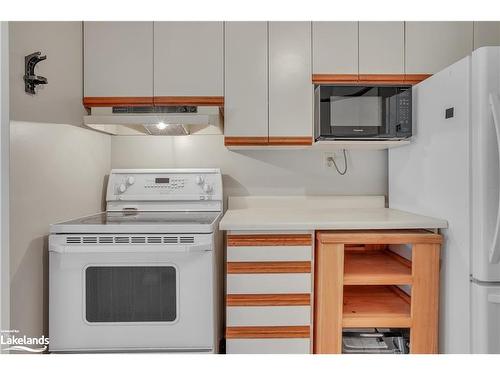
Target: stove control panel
x: 164, y: 185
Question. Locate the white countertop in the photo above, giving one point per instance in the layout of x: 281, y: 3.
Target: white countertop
x: 310, y: 213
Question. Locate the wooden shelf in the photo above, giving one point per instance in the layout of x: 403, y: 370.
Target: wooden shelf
x: 376, y: 268
x: 375, y: 306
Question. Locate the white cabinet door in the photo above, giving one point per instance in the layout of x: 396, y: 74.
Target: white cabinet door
x: 118, y: 59
x: 381, y: 47
x: 188, y: 58
x: 290, y: 86
x: 432, y: 46
x: 486, y: 33
x: 335, y: 47
x: 246, y: 79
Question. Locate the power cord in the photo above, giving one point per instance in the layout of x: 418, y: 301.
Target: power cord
x: 336, y: 166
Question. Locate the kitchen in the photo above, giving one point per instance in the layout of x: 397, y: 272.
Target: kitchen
x: 291, y: 201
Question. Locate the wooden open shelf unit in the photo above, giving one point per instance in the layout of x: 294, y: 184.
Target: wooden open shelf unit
x: 357, y: 281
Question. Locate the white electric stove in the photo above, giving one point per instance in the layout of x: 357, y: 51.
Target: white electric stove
x: 146, y: 275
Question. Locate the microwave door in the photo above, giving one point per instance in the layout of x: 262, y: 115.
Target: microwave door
x: 359, y: 115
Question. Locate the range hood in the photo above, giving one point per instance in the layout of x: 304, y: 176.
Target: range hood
x: 155, y: 120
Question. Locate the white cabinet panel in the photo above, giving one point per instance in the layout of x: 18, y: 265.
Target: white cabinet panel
x: 268, y: 346
x: 290, y: 87
x: 269, y: 283
x: 246, y: 79
x: 247, y: 316
x: 381, y: 47
x: 486, y: 33
x: 268, y: 253
x: 432, y: 46
x: 188, y: 58
x: 118, y: 58
x: 335, y: 47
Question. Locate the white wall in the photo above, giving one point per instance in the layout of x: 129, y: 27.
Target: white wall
x: 57, y: 170
x: 4, y: 178
x: 57, y: 173
x: 60, y: 101
x: 258, y: 172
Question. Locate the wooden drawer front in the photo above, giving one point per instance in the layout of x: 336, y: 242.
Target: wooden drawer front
x: 239, y: 316
x: 268, y: 253
x: 268, y: 346
x: 268, y: 283
x: 269, y: 239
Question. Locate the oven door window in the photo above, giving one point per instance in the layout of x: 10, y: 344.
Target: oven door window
x: 120, y: 294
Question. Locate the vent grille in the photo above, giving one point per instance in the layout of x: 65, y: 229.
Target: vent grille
x: 187, y: 239
x: 105, y: 240
x: 170, y: 239
x: 135, y: 240
x: 122, y: 240
x: 89, y: 239
x: 73, y: 239
x: 154, y: 239
x: 138, y: 239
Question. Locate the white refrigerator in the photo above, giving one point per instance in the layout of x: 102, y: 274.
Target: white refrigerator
x: 451, y: 170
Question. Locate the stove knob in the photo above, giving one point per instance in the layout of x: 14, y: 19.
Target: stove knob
x: 199, y: 180
x: 130, y: 180
x: 207, y: 188
x: 122, y: 188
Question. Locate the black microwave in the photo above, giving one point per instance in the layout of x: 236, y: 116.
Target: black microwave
x: 362, y: 112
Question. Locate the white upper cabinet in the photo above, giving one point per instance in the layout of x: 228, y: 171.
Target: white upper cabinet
x: 290, y: 86
x: 188, y: 58
x: 381, y: 48
x: 118, y: 59
x: 486, y: 33
x: 335, y: 47
x: 432, y: 46
x: 246, y: 83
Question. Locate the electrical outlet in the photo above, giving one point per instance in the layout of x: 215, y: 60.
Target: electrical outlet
x: 327, y: 159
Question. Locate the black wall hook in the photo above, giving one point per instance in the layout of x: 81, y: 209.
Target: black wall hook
x: 31, y: 80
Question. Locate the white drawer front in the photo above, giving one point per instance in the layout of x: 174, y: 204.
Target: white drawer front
x: 269, y: 283
x: 268, y: 253
x: 241, y: 316
x: 268, y: 346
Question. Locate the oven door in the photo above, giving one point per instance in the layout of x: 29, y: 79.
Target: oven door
x: 131, y: 297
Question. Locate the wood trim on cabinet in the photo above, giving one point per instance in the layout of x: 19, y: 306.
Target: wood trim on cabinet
x: 268, y: 267
x: 360, y: 79
x: 302, y: 299
x: 189, y: 100
x: 413, y: 79
x: 335, y: 78
x: 269, y: 240
x: 387, y: 237
x: 265, y: 332
x: 290, y: 141
x: 246, y: 141
x: 392, y: 79
x: 117, y: 101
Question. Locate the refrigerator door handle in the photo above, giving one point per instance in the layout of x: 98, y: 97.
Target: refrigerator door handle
x: 495, y: 111
x: 494, y: 298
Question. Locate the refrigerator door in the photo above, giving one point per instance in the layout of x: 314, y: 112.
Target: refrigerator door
x: 485, y: 116
x: 431, y: 177
x: 486, y: 318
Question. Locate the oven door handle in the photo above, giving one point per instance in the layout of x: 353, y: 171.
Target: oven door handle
x: 79, y: 249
